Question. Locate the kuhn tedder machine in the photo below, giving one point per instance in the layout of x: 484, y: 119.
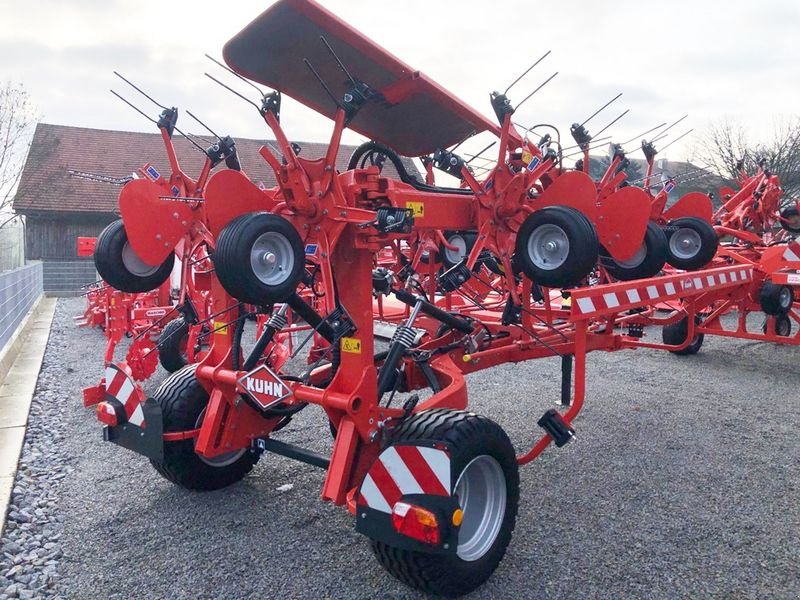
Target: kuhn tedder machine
x: 463, y: 279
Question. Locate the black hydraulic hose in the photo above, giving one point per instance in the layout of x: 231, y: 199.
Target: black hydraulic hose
x: 258, y: 349
x: 310, y: 316
x: 434, y: 311
x: 388, y: 372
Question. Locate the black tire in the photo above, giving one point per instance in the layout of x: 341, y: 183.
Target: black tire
x: 568, y: 263
x: 783, y: 326
x: 237, y: 249
x: 791, y: 214
x: 172, y: 352
x: 775, y: 299
x: 464, y: 240
x: 647, y: 261
x: 691, y: 243
x: 469, y: 437
x: 675, y: 335
x: 183, y: 400
x: 121, y: 268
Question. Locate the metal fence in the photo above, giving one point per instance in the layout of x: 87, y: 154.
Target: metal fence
x: 67, y: 277
x: 12, y: 245
x: 19, y: 289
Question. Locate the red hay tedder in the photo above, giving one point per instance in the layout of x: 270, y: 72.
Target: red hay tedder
x: 462, y: 279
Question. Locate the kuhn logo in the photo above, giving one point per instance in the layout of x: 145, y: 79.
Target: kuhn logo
x: 264, y: 387
x: 687, y: 284
x: 158, y: 312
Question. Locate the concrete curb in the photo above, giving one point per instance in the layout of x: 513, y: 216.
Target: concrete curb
x: 20, y: 363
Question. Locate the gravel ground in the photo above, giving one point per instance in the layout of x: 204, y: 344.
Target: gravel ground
x: 684, y: 482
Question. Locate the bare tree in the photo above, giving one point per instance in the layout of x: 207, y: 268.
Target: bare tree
x: 17, y: 120
x: 726, y: 146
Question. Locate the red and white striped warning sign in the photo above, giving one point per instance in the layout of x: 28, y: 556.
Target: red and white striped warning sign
x: 405, y: 469
x: 792, y: 252
x: 617, y: 297
x: 122, y: 390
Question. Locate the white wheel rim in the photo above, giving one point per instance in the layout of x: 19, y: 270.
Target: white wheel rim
x: 548, y: 247
x: 134, y: 264
x: 272, y: 258
x: 456, y: 256
x: 481, y: 491
x: 785, y: 298
x: 685, y: 243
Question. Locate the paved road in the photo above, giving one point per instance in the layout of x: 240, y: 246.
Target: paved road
x: 685, y: 481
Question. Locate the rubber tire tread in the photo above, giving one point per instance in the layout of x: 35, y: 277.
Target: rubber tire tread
x: 709, y: 241
x: 675, y: 334
x: 769, y: 298
x: 583, y: 247
x: 170, y: 354
x: 109, y: 265
x: 655, y: 241
x: 468, y: 436
x: 182, y: 400
x: 788, y: 213
x: 231, y: 258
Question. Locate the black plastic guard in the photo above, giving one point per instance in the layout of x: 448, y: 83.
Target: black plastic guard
x: 146, y: 440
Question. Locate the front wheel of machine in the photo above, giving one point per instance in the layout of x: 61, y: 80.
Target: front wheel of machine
x: 259, y: 258
x: 775, y: 299
x: 485, y: 478
x: 172, y: 350
x: 556, y: 246
x: 692, y: 243
x: 183, y: 403
x: 647, y: 261
x: 121, y: 268
x: 791, y: 219
x: 676, y: 333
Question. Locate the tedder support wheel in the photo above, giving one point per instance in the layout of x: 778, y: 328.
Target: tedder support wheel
x: 792, y: 219
x: 675, y: 335
x: 121, y: 268
x: 485, y: 478
x: 259, y: 258
x: 692, y: 243
x: 183, y: 402
x: 172, y: 345
x: 776, y: 299
x: 647, y: 261
x: 783, y: 326
x: 462, y: 240
x: 556, y: 246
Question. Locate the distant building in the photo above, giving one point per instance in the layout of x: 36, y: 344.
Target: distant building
x: 60, y: 207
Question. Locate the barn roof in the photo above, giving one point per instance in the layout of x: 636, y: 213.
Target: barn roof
x: 47, y: 186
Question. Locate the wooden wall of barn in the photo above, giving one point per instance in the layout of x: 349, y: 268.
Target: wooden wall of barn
x: 55, y: 236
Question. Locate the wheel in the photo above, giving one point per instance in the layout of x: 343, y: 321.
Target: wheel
x: 172, y: 345
x: 556, y: 246
x: 792, y: 219
x: 183, y: 402
x: 121, y: 268
x: 259, y: 258
x: 675, y: 335
x: 691, y: 243
x: 783, y: 326
x: 485, y: 478
x: 462, y: 240
x: 647, y: 261
x: 775, y: 299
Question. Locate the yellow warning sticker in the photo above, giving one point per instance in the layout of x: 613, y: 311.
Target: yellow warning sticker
x: 527, y: 157
x: 417, y: 207
x: 219, y: 327
x: 352, y: 345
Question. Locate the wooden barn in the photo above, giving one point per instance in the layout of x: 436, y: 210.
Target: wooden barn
x: 60, y: 206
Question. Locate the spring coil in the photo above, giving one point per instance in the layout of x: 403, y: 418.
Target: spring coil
x: 277, y: 321
x: 404, y: 336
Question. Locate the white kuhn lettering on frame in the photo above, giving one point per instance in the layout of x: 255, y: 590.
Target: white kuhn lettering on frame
x: 264, y: 387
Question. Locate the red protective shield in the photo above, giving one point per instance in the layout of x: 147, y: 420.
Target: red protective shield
x: 693, y: 204
x: 153, y: 223
x: 229, y: 194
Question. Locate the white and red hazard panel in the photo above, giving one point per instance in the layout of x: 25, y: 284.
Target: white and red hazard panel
x: 405, y: 469
x: 264, y: 387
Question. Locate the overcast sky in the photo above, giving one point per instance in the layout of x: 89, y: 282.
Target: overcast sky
x: 709, y: 58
